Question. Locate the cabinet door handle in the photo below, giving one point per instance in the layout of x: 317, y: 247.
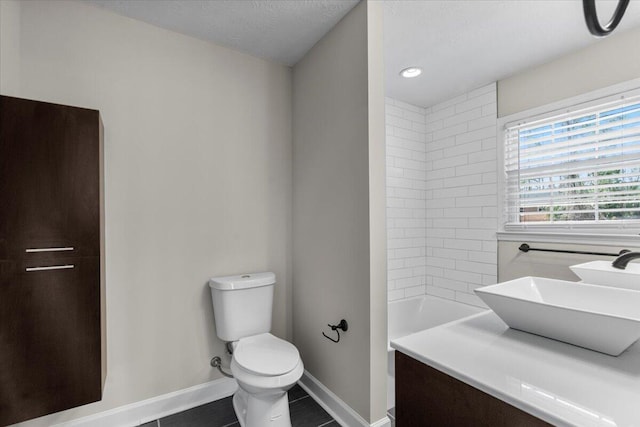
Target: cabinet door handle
x: 52, y: 267
x: 66, y: 248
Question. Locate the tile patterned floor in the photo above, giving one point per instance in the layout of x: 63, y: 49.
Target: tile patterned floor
x: 305, y: 412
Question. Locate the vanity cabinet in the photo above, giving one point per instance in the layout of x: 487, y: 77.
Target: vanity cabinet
x: 428, y: 397
x: 52, y: 301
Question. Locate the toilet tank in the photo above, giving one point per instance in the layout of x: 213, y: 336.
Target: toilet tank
x: 242, y: 304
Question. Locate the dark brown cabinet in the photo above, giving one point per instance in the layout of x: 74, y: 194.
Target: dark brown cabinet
x: 428, y: 397
x: 52, y: 325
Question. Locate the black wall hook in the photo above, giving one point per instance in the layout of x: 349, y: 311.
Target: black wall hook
x: 342, y: 325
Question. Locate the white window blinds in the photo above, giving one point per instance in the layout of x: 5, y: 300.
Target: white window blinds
x: 581, y: 166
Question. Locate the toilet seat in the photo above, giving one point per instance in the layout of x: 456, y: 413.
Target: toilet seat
x: 266, y: 355
x: 261, y: 384
x: 256, y: 358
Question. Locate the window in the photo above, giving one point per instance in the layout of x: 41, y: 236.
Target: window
x: 577, y: 166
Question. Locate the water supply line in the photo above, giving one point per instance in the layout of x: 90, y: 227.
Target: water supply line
x: 216, y: 362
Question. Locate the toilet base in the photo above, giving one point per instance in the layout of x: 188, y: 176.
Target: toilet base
x: 265, y: 410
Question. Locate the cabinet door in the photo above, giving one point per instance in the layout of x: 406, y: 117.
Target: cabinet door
x: 49, y: 336
x: 426, y: 397
x: 51, y: 292
x: 49, y: 178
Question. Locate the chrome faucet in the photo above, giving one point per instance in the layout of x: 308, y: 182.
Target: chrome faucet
x: 623, y: 259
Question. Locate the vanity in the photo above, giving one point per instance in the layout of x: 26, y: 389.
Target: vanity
x: 477, y: 371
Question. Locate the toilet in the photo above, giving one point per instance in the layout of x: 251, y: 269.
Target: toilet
x: 264, y: 366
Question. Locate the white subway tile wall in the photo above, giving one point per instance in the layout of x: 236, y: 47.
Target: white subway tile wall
x: 442, y: 197
x: 406, y: 196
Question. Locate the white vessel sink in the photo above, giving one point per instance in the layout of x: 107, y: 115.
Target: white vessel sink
x: 602, y: 273
x: 604, y: 319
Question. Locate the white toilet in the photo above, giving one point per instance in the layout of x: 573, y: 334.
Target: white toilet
x: 264, y: 366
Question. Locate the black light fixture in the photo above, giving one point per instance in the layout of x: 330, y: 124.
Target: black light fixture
x: 591, y: 17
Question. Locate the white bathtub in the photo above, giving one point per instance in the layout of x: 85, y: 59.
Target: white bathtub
x: 416, y: 314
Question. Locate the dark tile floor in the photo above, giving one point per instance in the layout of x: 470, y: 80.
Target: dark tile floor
x: 305, y: 412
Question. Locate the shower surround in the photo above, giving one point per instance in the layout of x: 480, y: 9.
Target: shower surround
x: 442, y: 212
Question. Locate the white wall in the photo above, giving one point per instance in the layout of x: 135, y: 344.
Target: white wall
x: 406, y: 199
x: 442, y: 197
x: 339, y: 264
x: 611, y: 60
x: 198, y: 181
x: 461, y: 195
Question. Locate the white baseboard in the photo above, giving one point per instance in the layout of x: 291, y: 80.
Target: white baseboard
x: 383, y: 422
x: 336, y: 407
x: 147, y: 410
x: 157, y: 407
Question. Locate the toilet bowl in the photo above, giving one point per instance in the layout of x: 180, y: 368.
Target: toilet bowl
x: 264, y: 366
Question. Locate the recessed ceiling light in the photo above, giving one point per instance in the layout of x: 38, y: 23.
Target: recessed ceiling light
x: 411, y: 72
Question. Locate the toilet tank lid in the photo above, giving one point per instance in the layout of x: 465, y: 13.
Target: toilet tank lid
x: 242, y: 281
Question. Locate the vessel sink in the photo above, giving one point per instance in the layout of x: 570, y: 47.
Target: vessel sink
x: 600, y: 318
x: 602, y: 273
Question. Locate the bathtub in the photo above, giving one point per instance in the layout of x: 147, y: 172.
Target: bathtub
x: 416, y: 314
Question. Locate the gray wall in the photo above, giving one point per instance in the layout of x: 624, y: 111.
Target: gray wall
x: 9, y: 47
x: 339, y: 267
x: 377, y: 214
x: 612, y: 60
x: 513, y: 263
x: 198, y: 159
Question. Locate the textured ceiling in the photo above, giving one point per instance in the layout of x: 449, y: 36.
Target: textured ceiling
x: 280, y: 30
x: 461, y: 44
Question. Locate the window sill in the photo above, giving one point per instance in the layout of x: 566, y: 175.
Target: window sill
x: 600, y: 239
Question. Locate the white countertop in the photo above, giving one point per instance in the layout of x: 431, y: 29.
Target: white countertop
x: 560, y: 383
